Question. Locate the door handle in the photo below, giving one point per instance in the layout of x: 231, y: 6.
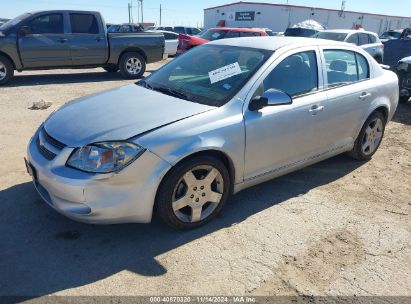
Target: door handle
x: 62, y: 40
x: 364, y: 95
x: 98, y: 39
x: 315, y: 109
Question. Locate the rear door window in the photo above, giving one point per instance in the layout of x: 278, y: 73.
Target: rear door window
x: 363, y: 39
x: 363, y: 67
x: 47, y: 24
x: 345, y: 67
x: 83, y: 24
x: 353, y: 39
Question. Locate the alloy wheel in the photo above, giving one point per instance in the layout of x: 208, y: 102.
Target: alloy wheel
x: 3, y: 71
x: 197, y: 194
x: 372, y: 136
x: 134, y: 66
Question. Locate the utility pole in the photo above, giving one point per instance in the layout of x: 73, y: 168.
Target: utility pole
x: 129, y: 13
x: 142, y: 15
x: 160, y: 16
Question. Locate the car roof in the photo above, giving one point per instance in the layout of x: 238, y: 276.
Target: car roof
x: 162, y: 31
x: 63, y: 11
x: 348, y: 31
x: 274, y: 43
x: 238, y: 29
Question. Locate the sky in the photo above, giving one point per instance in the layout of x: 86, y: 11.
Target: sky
x: 186, y: 12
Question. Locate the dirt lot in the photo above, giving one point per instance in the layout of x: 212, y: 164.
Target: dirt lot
x: 336, y: 228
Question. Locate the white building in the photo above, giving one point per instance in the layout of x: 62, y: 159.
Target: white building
x: 279, y: 16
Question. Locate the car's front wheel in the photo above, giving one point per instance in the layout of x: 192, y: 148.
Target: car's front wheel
x: 6, y: 70
x: 132, y: 65
x: 370, y: 137
x: 193, y: 192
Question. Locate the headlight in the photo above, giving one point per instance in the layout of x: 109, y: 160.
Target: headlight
x: 104, y: 157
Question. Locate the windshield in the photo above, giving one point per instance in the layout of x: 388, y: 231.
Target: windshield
x: 211, y: 35
x: 208, y: 74
x: 391, y: 35
x: 9, y: 24
x: 331, y: 36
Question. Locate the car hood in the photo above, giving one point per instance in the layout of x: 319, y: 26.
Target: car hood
x: 117, y: 114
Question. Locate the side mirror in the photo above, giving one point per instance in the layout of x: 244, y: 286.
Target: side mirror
x: 271, y: 97
x: 25, y: 30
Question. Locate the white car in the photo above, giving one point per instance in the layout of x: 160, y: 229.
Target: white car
x: 171, y: 41
x: 368, y: 41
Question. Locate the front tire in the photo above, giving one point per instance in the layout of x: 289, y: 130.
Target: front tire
x: 370, y: 137
x: 132, y: 65
x: 6, y: 70
x: 193, y: 192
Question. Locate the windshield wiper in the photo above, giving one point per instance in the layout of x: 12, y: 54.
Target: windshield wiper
x: 172, y: 92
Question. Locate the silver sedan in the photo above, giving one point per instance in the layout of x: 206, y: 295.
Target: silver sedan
x: 223, y: 117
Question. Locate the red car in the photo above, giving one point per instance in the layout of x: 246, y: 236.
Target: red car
x: 186, y: 42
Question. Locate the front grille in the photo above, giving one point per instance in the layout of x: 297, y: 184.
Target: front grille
x: 52, y: 141
x: 44, y: 151
x: 48, y: 146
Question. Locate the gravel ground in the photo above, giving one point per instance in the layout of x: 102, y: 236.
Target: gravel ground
x: 339, y: 227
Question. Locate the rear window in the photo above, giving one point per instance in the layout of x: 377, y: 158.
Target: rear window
x: 332, y: 36
x: 83, y: 24
x: 299, y: 32
x: 373, y: 39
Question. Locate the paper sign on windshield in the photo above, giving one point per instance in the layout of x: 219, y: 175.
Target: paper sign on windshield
x: 224, y: 72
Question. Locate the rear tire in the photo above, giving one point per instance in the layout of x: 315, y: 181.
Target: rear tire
x: 370, y: 137
x: 132, y: 65
x: 193, y: 192
x: 6, y: 70
x: 111, y: 68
